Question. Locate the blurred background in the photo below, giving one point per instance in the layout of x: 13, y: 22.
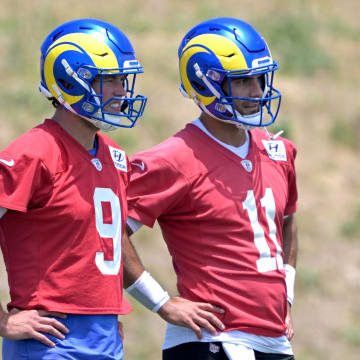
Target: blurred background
x: 317, y: 44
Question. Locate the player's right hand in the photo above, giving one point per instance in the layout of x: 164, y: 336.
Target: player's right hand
x: 31, y: 324
x: 193, y: 315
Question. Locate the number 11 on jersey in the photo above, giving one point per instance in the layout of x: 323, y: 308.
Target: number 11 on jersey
x: 265, y: 262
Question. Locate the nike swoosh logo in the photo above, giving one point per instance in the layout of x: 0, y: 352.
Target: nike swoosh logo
x: 8, y: 163
x: 141, y: 165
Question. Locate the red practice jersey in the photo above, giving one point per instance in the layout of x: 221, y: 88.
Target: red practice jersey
x: 222, y: 220
x: 61, y: 237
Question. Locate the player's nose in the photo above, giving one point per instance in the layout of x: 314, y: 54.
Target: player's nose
x: 256, y: 89
x: 119, y: 87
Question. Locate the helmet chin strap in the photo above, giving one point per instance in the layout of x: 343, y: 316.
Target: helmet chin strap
x: 244, y: 125
x: 255, y: 118
x: 99, y: 124
x: 205, y: 110
x: 236, y: 123
x: 102, y: 125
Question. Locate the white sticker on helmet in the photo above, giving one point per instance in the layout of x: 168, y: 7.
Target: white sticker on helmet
x: 129, y: 65
x: 265, y: 61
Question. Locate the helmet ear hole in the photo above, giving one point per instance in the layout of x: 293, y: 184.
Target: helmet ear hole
x: 198, y: 86
x: 65, y: 84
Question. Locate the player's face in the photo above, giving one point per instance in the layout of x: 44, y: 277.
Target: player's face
x: 113, y: 86
x: 250, y: 87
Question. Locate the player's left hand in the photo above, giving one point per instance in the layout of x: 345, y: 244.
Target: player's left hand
x: 32, y: 324
x: 193, y: 315
x: 289, y: 323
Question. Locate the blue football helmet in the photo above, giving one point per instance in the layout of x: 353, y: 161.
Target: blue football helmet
x: 221, y: 49
x: 77, y: 52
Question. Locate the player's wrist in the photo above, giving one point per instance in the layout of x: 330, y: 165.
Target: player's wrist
x: 290, y: 273
x: 148, y: 292
x: 4, y: 319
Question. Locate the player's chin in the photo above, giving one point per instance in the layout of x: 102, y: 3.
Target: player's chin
x: 249, y: 110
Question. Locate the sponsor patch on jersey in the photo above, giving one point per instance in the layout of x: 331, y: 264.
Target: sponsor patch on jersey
x: 119, y: 158
x: 275, y: 149
x: 97, y: 163
x: 247, y: 164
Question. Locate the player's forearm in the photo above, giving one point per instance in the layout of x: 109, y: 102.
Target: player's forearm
x: 290, y: 241
x: 138, y: 282
x: 3, y: 321
x: 290, y: 247
x: 133, y: 267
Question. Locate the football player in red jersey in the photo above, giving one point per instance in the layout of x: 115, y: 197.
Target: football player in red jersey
x: 63, y: 201
x: 223, y: 191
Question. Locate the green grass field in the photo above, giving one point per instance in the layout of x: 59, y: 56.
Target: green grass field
x: 317, y: 44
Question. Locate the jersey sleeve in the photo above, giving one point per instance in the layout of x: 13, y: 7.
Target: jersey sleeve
x: 127, y: 176
x: 156, y: 186
x: 291, y: 206
x: 24, y: 181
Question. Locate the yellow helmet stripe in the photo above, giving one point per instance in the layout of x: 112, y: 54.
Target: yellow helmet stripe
x: 100, y: 53
x: 49, y: 74
x: 228, y: 54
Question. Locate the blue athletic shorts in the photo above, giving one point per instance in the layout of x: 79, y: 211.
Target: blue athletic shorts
x: 91, y: 337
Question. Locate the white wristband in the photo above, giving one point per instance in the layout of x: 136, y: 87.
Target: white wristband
x: 290, y: 282
x: 148, y: 292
